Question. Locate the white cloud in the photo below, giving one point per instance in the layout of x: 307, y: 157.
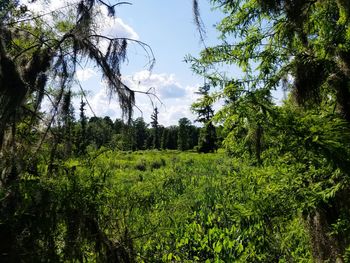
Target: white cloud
x: 114, y: 26
x: 165, y: 85
x: 102, y: 105
x: 176, y: 98
x: 106, y: 25
x: 45, y: 8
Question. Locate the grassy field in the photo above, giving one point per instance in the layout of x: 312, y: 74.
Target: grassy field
x: 169, y: 206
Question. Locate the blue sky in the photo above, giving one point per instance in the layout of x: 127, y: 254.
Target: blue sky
x: 167, y: 26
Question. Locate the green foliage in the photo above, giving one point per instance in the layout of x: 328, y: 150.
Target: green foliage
x: 158, y: 207
x: 170, y: 138
x: 155, y: 126
x: 187, y: 135
x: 207, y: 138
x: 82, y: 140
x: 99, y: 132
x: 193, y: 209
x: 203, y: 107
x: 301, y: 47
x: 63, y: 217
x: 281, y: 195
x: 141, y: 133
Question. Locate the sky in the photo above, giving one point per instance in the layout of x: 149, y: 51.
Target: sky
x: 168, y: 27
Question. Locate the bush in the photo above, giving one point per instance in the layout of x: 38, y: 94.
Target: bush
x: 141, y: 165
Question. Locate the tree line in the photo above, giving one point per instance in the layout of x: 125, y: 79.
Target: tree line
x: 136, y: 134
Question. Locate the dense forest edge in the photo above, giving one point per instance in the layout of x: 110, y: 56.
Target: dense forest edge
x: 256, y: 181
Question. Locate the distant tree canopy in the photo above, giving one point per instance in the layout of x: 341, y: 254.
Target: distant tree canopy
x: 187, y: 136
x: 141, y: 133
x: 129, y: 136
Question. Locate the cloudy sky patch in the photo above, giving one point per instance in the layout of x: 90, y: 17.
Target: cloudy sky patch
x: 172, y: 91
x: 171, y: 81
x: 172, y: 99
x: 114, y: 26
x: 165, y: 86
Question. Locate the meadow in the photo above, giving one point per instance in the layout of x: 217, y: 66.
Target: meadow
x: 171, y: 206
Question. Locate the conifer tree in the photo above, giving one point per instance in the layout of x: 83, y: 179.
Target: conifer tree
x: 140, y: 133
x: 303, y: 47
x: 183, y: 139
x: 164, y: 139
x: 205, y: 112
x: 155, y: 127
x: 82, y: 136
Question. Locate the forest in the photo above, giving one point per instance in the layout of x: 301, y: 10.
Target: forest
x: 254, y: 181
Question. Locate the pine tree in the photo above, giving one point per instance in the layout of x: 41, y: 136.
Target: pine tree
x: 155, y: 127
x: 164, y: 139
x: 82, y: 137
x: 67, y: 119
x: 203, y: 107
x: 140, y: 133
x: 183, y: 134
x: 302, y: 46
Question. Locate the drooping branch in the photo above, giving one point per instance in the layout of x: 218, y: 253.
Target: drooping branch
x: 198, y: 20
x: 52, y: 58
x: 111, y: 8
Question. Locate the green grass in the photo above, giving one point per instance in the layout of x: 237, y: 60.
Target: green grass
x: 161, y: 206
x: 190, y: 207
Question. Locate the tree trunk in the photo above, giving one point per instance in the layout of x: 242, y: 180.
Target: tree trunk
x: 327, y: 247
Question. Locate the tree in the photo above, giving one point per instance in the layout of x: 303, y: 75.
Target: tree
x: 304, y: 47
x: 37, y: 50
x: 207, y: 138
x: 34, y: 51
x: 67, y: 119
x: 107, y: 120
x: 128, y: 137
x: 82, y: 132
x: 203, y: 107
x: 39, y: 56
x: 164, y: 139
x: 183, y: 139
x: 140, y: 133
x: 171, y: 139
x: 118, y: 126
x: 155, y: 127
x: 99, y: 133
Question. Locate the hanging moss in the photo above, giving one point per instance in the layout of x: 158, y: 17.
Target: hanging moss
x: 308, y: 78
